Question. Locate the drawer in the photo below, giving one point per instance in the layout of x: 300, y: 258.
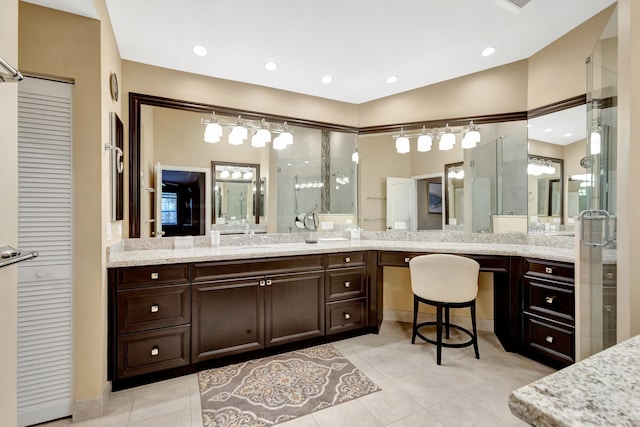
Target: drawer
x: 549, y: 339
x: 345, y: 316
x: 395, y: 259
x: 346, y: 259
x: 549, y: 299
x: 149, y: 308
x: 550, y: 269
x: 151, y: 351
x: 347, y: 283
x: 153, y: 275
x: 223, y: 270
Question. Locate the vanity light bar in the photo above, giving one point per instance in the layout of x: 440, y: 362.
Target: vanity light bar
x: 446, y: 138
x: 240, y: 130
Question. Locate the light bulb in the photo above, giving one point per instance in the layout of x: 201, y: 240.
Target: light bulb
x: 264, y: 135
x: 402, y: 145
x: 236, y: 174
x: 279, y: 143
x: 224, y: 174
x: 241, y: 131
x: 235, y: 138
x: 287, y: 137
x: 424, y: 143
x: 447, y: 141
x: 247, y: 175
x: 257, y: 142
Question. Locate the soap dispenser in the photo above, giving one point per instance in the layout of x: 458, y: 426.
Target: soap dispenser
x: 215, y: 236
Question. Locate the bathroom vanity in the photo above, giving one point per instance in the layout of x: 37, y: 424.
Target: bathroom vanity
x: 177, y: 311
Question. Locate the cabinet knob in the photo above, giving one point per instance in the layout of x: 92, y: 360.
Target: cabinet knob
x: 347, y: 316
x: 155, y: 308
x: 549, y: 300
x: 347, y: 284
x: 347, y: 259
x: 268, y: 282
x: 550, y: 339
x: 262, y: 282
x: 407, y: 259
x: 548, y: 270
x: 155, y: 351
x: 155, y: 276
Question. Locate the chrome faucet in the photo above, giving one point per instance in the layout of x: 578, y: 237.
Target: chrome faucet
x: 249, y: 232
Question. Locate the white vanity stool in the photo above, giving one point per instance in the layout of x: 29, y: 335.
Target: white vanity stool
x: 444, y: 281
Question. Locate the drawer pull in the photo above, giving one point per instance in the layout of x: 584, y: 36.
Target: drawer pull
x: 155, y: 351
x: 155, y: 276
x: 268, y: 282
x: 548, y: 270
x: 155, y: 308
x: 550, y: 339
x: 549, y: 300
x: 347, y: 316
x: 347, y: 259
x: 347, y: 284
x: 262, y: 282
x: 407, y: 259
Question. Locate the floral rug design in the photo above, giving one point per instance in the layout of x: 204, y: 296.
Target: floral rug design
x: 279, y: 388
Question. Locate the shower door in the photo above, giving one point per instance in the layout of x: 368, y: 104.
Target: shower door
x: 596, y: 276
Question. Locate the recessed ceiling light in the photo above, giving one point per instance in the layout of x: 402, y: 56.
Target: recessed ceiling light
x: 488, y: 51
x: 271, y: 66
x: 548, y: 130
x: 327, y: 79
x: 200, y: 50
x: 568, y: 134
x: 392, y: 79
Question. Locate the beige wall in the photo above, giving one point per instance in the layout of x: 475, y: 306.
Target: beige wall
x: 9, y: 215
x: 498, y: 90
x: 558, y: 71
x: 67, y: 46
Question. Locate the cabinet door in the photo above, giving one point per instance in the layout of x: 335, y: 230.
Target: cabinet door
x: 227, y: 318
x: 294, y: 307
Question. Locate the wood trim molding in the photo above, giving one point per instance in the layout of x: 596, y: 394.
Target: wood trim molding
x: 557, y: 106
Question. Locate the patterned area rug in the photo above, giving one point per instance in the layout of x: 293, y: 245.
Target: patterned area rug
x: 279, y: 388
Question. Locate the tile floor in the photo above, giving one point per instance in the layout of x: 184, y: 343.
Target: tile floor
x: 415, y: 392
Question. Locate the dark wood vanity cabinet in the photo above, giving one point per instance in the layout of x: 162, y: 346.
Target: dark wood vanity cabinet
x: 346, y: 292
x: 278, y: 302
x: 549, y: 312
x: 150, y: 317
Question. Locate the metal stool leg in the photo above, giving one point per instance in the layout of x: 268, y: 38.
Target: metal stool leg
x: 475, y: 332
x: 415, y: 319
x: 439, y: 332
x: 446, y: 321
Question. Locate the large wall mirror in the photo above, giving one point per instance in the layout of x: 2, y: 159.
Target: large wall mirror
x: 315, y: 170
x: 557, y: 147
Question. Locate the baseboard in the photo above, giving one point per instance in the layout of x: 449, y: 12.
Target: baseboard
x: 407, y: 317
x: 91, y: 408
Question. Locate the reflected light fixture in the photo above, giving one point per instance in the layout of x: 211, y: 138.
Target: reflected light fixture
x: 355, y: 157
x: 402, y: 143
x: 425, y: 142
x: 260, y: 132
x: 447, y: 139
x: 595, y: 140
x: 236, y: 174
x: 224, y: 174
x: 247, y: 175
x: 471, y: 138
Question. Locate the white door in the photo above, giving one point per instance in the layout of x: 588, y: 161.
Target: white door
x: 44, y: 225
x: 400, y: 203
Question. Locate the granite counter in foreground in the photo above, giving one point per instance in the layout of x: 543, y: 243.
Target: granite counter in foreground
x: 602, y: 390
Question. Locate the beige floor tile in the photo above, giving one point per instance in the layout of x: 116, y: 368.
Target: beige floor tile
x: 366, y: 368
x: 419, y: 419
x: 166, y: 398
x: 173, y: 419
x: 425, y: 389
x: 494, y: 399
x: 461, y: 412
x: 395, y: 364
x: 349, y: 414
x: 390, y: 404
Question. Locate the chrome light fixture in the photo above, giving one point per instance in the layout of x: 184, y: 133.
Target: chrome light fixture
x: 447, y: 139
x: 424, y: 143
x: 260, y: 132
x: 402, y: 143
x: 471, y: 137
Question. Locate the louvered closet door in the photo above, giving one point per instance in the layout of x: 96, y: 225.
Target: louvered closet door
x: 44, y: 225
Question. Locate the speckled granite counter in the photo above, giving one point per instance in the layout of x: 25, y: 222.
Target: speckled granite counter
x: 152, y: 251
x: 603, y: 389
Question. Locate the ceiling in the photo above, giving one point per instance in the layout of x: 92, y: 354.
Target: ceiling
x: 359, y: 43
x: 562, y: 127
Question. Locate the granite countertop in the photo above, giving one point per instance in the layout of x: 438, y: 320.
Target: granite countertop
x: 150, y: 252
x: 603, y: 389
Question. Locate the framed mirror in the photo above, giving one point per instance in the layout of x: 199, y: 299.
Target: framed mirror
x: 117, y: 166
x: 454, y: 194
x: 237, y: 195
